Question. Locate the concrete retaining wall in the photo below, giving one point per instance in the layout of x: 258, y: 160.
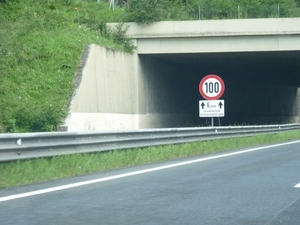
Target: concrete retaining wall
x: 119, y: 91
x: 106, y: 98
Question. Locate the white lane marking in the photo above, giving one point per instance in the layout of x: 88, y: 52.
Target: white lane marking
x: 297, y: 186
x: 63, y: 187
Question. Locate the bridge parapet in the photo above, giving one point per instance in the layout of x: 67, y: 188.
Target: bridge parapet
x: 213, y: 36
x: 206, y: 28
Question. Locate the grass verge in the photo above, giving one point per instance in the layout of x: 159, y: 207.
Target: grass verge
x: 37, y: 170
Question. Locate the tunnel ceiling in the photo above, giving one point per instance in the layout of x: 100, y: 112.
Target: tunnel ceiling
x: 282, y: 67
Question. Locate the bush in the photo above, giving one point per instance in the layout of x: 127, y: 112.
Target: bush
x: 118, y: 35
x: 146, y: 11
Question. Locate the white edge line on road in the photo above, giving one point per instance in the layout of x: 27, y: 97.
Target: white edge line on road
x: 63, y: 187
x: 297, y: 186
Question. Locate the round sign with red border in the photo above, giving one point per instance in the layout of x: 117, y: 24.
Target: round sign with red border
x: 211, y: 87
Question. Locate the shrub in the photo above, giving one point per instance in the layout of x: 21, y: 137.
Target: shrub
x: 146, y: 11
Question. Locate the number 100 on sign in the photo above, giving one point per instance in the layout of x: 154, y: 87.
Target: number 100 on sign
x: 211, y: 87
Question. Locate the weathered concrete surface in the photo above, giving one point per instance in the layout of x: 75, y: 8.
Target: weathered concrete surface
x: 212, y: 28
x: 108, y: 83
x: 279, y: 34
x: 219, y: 44
x: 102, y: 121
x: 167, y: 94
x: 106, y: 98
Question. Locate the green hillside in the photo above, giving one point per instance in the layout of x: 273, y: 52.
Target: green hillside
x: 41, y: 44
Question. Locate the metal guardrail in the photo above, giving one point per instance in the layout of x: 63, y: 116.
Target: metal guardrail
x: 35, y: 145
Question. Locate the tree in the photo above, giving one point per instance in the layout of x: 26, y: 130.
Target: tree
x: 146, y: 11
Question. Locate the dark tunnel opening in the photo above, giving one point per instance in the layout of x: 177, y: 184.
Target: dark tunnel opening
x: 261, y: 87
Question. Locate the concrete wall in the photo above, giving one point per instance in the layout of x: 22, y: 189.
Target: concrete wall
x: 258, y: 59
x: 261, y: 103
x: 120, y: 91
x: 161, y: 96
x: 106, y: 98
x: 218, y: 44
x: 213, y: 28
x: 278, y: 34
x: 259, y: 90
x: 147, y: 91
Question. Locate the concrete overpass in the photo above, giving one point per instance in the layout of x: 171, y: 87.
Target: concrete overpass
x: 217, y: 36
x: 259, y: 60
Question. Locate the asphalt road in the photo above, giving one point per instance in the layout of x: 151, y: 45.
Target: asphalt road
x: 254, y: 187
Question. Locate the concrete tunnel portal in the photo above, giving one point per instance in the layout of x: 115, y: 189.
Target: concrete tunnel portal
x: 261, y: 87
x: 158, y: 85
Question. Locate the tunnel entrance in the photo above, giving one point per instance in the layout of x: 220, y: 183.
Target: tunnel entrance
x: 261, y: 87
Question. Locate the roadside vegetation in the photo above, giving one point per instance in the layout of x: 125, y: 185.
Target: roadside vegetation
x: 41, y: 44
x: 148, y: 11
x: 44, y: 169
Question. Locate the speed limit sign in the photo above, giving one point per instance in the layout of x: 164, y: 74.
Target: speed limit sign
x: 211, y: 87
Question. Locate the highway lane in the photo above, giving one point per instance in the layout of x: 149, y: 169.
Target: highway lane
x: 255, y: 187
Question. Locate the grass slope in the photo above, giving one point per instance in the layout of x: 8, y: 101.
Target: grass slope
x: 41, y: 43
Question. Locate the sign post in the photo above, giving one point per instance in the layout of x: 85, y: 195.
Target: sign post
x: 211, y: 87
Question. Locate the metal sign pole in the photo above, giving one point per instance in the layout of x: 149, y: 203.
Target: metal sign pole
x: 212, y: 121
